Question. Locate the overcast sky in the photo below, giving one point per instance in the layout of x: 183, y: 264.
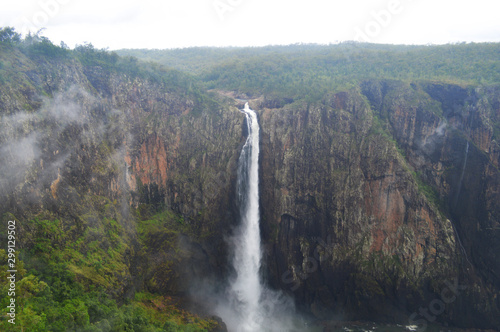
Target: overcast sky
x: 161, y: 24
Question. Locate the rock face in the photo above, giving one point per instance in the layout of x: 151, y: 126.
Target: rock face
x: 100, y: 144
x: 373, y: 200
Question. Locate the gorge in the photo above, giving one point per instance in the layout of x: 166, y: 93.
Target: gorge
x: 246, y: 289
x: 250, y: 305
x: 366, y: 197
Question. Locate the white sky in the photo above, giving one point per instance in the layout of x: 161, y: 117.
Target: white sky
x: 181, y: 23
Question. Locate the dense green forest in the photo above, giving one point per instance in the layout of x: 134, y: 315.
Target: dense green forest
x: 71, y: 277
x: 299, y: 71
x: 291, y: 72
x: 40, y: 48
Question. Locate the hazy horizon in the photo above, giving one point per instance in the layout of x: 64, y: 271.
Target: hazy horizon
x: 175, y: 24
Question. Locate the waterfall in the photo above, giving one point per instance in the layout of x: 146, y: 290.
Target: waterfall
x: 456, y: 201
x: 247, y: 252
x: 462, y: 174
x: 250, y: 306
x: 465, y: 162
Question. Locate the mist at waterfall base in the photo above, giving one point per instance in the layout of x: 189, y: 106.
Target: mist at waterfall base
x: 249, y: 305
x: 245, y: 303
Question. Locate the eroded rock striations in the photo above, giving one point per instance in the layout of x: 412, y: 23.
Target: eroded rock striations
x: 373, y: 200
x: 91, y: 145
x: 376, y: 199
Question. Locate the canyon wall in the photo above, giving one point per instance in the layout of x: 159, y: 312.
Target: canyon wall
x: 105, y: 153
x: 373, y: 200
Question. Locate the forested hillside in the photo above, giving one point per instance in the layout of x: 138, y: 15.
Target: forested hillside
x: 299, y: 71
x: 85, y: 253
x: 379, y: 166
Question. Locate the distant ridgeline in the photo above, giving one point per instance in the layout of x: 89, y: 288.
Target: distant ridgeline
x: 379, y: 182
x: 298, y: 71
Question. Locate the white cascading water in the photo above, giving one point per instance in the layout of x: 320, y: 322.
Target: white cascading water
x: 247, y: 286
x: 249, y: 305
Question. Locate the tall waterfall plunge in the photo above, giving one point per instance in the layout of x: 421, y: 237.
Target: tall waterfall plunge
x: 247, y: 287
x: 250, y: 305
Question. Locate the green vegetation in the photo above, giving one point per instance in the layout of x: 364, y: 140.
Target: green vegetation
x: 74, y: 264
x: 301, y: 71
x: 379, y: 127
x: 291, y: 72
x: 429, y: 192
x: 110, y: 61
x: 9, y: 36
x: 40, y: 49
x: 74, y: 284
x: 75, y: 260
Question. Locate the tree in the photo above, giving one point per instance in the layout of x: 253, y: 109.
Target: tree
x: 9, y: 35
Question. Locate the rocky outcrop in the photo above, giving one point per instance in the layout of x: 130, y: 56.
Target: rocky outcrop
x: 99, y: 136
x: 373, y: 200
x: 368, y: 201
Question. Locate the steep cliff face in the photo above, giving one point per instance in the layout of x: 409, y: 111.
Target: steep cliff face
x: 104, y: 151
x: 373, y: 200
x: 454, y: 146
x: 368, y: 208
x: 187, y: 164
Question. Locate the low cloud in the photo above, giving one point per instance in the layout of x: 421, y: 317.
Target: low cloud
x: 33, y: 147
